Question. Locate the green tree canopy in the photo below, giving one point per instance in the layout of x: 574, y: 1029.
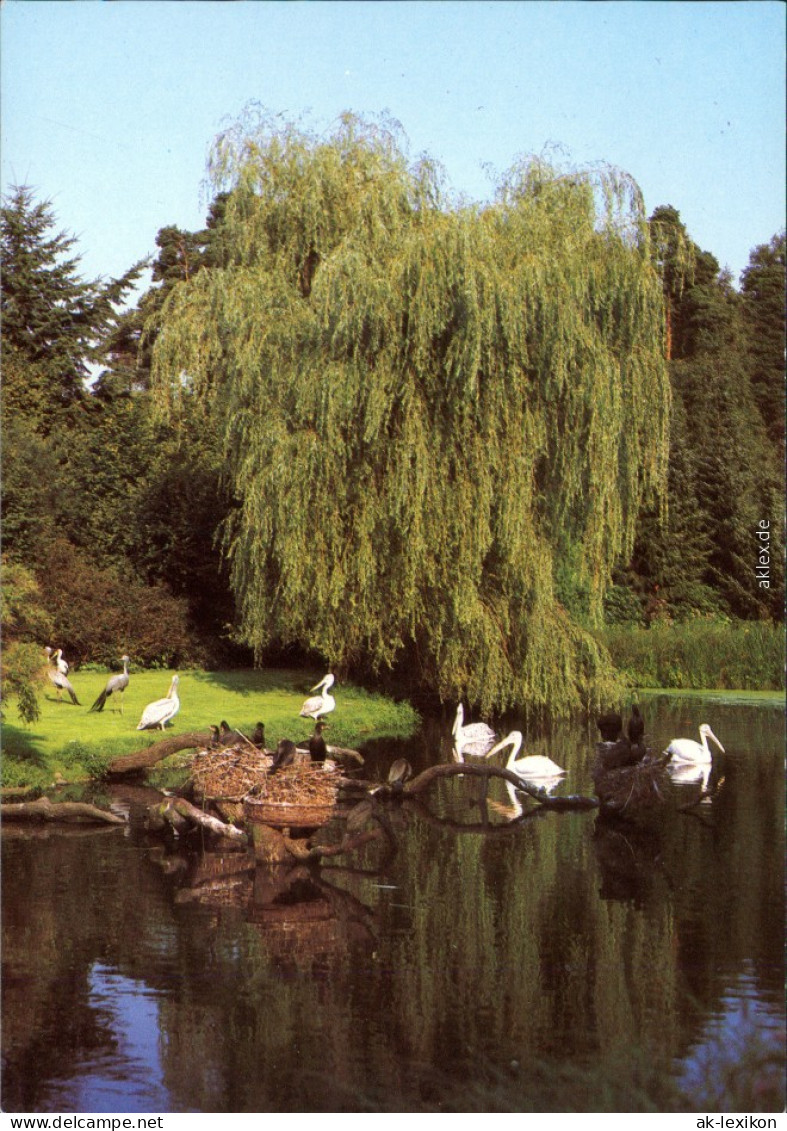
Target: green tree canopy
x: 429, y: 411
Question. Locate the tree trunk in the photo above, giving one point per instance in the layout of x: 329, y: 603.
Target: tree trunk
x: 147, y: 757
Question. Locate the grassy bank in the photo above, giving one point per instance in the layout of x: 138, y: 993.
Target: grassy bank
x: 699, y: 654
x: 70, y: 741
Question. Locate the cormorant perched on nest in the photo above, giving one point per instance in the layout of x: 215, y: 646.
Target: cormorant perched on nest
x: 228, y: 736
x: 285, y: 755
x: 258, y: 737
x: 213, y: 741
x: 636, y: 726
x: 318, y: 748
x: 613, y: 755
x: 610, y: 725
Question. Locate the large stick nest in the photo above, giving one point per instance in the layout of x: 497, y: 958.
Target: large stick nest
x: 232, y: 773
x: 641, y: 786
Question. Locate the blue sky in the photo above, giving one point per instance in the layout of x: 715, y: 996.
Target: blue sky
x: 108, y: 108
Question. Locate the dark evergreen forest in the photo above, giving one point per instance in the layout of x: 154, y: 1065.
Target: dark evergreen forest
x: 143, y: 505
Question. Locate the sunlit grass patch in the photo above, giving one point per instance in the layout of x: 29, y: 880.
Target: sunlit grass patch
x: 72, y: 741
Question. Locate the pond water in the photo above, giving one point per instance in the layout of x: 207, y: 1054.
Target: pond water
x: 483, y: 957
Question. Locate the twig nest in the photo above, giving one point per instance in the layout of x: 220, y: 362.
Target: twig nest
x: 629, y: 788
x: 229, y: 773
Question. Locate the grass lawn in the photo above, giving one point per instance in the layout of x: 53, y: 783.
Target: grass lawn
x: 74, y: 743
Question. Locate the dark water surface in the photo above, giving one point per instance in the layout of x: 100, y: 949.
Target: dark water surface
x: 485, y: 960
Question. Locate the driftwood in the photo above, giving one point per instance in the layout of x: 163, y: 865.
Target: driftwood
x: 180, y: 814
x: 45, y: 810
x: 468, y: 769
x: 147, y: 757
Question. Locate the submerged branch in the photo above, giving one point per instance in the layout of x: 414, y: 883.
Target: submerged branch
x: 455, y: 769
x: 45, y: 810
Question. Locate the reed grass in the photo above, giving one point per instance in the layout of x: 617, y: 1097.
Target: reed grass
x: 733, y: 655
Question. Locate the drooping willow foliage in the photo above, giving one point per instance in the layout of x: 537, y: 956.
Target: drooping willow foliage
x: 438, y: 418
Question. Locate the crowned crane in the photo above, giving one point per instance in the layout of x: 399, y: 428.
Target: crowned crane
x: 474, y: 740
x: 158, y: 714
x: 687, y: 750
x: 318, y: 748
x: 60, y: 680
x: 286, y: 752
x: 115, y: 683
x: 534, y: 767
x: 322, y: 704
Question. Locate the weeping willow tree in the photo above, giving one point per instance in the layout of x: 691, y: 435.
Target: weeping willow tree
x: 432, y: 412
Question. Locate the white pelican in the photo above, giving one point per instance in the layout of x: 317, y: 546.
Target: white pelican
x: 536, y: 768
x: 474, y: 740
x: 687, y: 750
x: 159, y: 713
x: 114, y: 683
x: 321, y: 704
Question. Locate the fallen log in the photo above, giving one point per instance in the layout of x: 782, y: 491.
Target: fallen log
x: 45, y: 810
x: 149, y: 755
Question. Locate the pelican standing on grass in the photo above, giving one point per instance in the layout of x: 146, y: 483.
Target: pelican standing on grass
x: 59, y: 678
x: 474, y: 740
x: 533, y: 768
x: 114, y: 683
x: 687, y: 750
x: 322, y: 704
x: 159, y: 713
x: 61, y: 664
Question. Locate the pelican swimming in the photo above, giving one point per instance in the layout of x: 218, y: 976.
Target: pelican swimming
x: 474, y: 740
x: 534, y: 767
x: 159, y: 713
x: 687, y: 750
x: 321, y: 704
